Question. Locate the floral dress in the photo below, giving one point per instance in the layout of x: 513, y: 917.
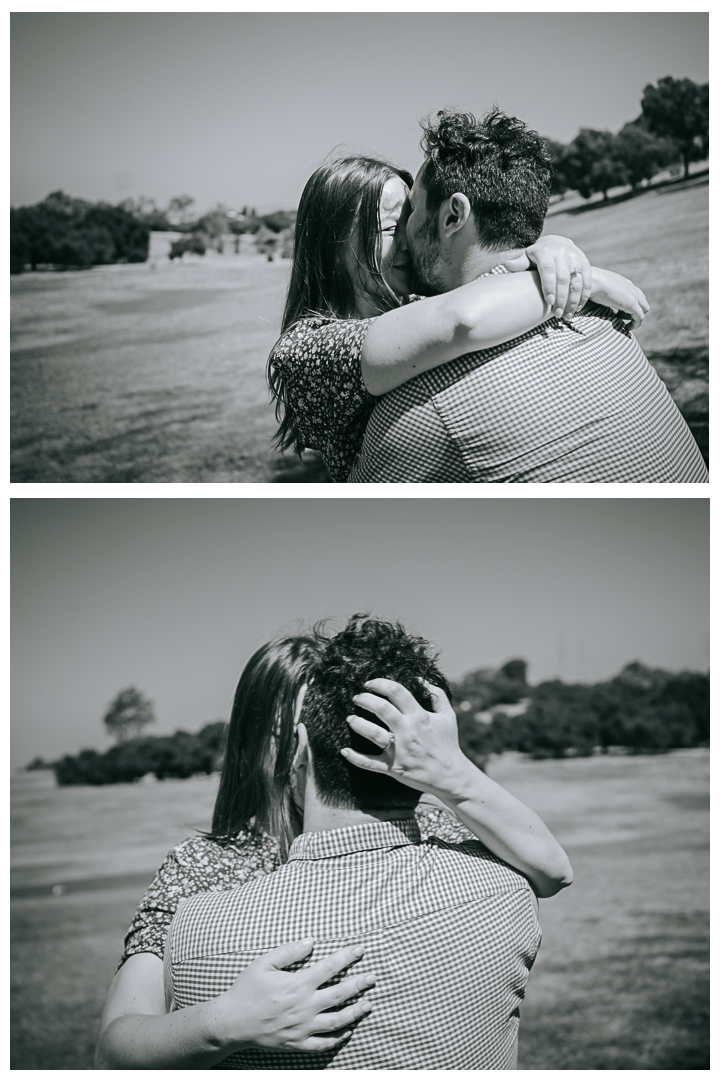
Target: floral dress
x: 201, y: 865
x: 319, y: 362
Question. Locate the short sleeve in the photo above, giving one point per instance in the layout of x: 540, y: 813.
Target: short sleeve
x: 151, y: 922
x: 319, y: 363
x: 196, y: 865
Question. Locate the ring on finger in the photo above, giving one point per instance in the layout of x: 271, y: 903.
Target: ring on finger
x: 391, y: 740
x: 575, y: 270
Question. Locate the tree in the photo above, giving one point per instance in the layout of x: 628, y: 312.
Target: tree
x: 193, y: 242
x: 129, y: 712
x: 559, y: 180
x: 643, y: 153
x: 678, y: 109
x: 178, y: 211
x: 592, y: 163
x: 65, y: 232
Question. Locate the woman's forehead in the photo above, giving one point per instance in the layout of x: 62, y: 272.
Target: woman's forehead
x: 393, y: 198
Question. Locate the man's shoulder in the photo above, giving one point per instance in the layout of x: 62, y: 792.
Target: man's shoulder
x: 548, y: 338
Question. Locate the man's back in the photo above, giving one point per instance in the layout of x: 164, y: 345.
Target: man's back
x: 565, y: 403
x: 449, y: 930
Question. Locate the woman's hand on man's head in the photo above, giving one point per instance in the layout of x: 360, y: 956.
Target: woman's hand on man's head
x: 420, y: 747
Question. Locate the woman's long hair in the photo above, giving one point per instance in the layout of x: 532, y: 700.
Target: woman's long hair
x: 338, y: 240
x: 260, y: 743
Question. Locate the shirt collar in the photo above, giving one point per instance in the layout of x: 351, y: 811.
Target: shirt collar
x: 352, y: 838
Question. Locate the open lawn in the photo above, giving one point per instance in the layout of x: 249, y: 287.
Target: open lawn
x: 621, y: 981
x: 155, y: 372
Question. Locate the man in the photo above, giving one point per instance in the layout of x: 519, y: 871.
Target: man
x: 450, y: 930
x: 571, y: 401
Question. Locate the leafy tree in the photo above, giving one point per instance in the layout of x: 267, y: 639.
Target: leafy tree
x: 278, y: 221
x: 194, y: 243
x: 592, y: 163
x: 559, y: 180
x: 65, y: 232
x: 129, y: 712
x: 178, y: 210
x: 678, y: 109
x: 179, y: 755
x: 642, y: 153
x: 148, y: 212
x: 214, y: 224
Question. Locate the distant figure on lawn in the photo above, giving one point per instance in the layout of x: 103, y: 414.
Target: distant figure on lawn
x: 450, y: 929
x: 571, y: 401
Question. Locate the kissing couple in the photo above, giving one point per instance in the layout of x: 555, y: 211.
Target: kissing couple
x: 432, y: 335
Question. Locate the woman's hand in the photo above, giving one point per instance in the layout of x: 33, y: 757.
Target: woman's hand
x: 420, y: 748
x: 283, y: 1010
x: 617, y: 292
x: 566, y: 276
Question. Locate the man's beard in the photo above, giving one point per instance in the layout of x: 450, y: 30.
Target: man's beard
x: 424, y: 257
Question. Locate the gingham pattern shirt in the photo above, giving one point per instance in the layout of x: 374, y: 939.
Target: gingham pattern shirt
x: 568, y: 402
x: 450, y: 931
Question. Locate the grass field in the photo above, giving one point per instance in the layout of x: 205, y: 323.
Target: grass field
x: 131, y: 374
x: 621, y: 981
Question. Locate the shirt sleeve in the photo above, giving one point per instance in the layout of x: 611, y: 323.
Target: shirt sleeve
x: 151, y: 922
x: 321, y: 371
x: 196, y: 865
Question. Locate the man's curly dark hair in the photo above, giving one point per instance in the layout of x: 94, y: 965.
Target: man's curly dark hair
x: 501, y: 165
x: 367, y: 648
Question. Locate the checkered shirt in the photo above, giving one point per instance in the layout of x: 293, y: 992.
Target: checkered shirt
x: 449, y: 930
x: 568, y: 402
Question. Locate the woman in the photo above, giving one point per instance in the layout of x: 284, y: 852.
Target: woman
x: 341, y: 345
x: 254, y: 823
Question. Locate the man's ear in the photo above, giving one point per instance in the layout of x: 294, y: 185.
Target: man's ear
x: 302, y: 751
x: 455, y: 213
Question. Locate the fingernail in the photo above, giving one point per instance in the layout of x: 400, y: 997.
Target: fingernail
x: 308, y: 941
x: 344, y: 751
x: 370, y: 981
x: 359, y: 951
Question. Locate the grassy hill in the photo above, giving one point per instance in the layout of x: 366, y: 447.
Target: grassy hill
x: 155, y: 372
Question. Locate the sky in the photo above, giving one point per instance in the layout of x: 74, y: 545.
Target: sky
x: 241, y: 108
x: 174, y: 595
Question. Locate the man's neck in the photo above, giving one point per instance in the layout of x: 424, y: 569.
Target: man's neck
x: 318, y: 817
x: 478, y: 260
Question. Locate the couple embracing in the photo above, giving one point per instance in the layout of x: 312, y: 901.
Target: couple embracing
x: 366, y: 898
x: 430, y: 336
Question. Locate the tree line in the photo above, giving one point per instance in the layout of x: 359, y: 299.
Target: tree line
x: 66, y: 233
x: 640, y: 710
x: 672, y: 127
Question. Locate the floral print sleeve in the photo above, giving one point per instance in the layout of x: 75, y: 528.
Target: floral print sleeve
x: 196, y: 865
x: 319, y: 362
x: 442, y: 824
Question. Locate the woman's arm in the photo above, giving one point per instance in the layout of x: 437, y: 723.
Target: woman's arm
x: 424, y: 753
x: 265, y: 1007
x: 406, y: 341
